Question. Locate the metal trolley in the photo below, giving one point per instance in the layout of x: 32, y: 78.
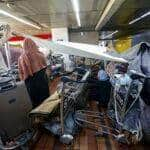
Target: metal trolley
x: 123, y: 99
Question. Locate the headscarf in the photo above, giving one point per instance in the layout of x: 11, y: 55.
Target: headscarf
x: 31, y: 61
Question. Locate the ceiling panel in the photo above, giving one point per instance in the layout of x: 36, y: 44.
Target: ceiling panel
x: 136, y: 4
x: 42, y: 18
x: 86, y: 5
x: 40, y: 6
x: 129, y: 10
x: 54, y: 13
x: 57, y: 6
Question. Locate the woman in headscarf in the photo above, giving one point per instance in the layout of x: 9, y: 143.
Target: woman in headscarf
x: 32, y: 69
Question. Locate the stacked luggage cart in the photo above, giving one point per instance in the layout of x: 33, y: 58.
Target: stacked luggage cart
x: 71, y: 96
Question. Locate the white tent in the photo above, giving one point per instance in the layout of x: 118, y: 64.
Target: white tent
x: 77, y: 49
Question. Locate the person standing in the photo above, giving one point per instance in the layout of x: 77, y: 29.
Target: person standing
x: 104, y: 86
x: 102, y: 75
x: 32, y: 69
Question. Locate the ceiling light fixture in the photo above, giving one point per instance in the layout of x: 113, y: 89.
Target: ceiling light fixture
x: 19, y: 19
x: 110, y: 35
x: 139, y: 18
x: 75, y: 4
x: 105, y: 12
x: 45, y: 25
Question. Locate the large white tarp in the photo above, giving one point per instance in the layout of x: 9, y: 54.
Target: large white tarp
x: 77, y: 49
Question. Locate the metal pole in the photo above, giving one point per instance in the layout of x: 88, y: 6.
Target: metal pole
x: 7, y: 51
x: 62, y: 109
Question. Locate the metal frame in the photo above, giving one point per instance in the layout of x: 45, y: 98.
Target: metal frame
x: 84, y: 117
x: 69, y: 98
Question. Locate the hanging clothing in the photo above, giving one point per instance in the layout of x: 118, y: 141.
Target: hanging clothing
x: 145, y: 120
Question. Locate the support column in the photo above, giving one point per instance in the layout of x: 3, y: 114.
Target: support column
x: 8, y: 56
x: 60, y: 34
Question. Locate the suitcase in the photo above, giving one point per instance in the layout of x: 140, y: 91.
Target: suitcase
x: 15, y: 105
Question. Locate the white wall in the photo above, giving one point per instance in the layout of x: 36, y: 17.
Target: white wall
x: 87, y: 37
x: 59, y: 34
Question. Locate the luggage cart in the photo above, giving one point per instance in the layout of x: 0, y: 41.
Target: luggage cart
x: 73, y: 97
x: 123, y: 100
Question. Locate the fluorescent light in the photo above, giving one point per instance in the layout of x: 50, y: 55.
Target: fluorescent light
x: 75, y: 4
x: 45, y: 25
x: 105, y: 12
x: 19, y: 19
x: 78, y: 19
x: 110, y: 35
x: 139, y: 18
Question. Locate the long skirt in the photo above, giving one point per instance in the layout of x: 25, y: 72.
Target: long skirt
x: 104, y: 92
x: 37, y: 87
x: 100, y: 91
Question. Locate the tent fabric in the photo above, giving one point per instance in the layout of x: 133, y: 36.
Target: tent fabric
x: 131, y: 55
x: 77, y: 49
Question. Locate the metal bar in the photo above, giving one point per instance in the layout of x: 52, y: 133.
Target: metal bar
x: 8, y: 56
x: 62, y: 109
